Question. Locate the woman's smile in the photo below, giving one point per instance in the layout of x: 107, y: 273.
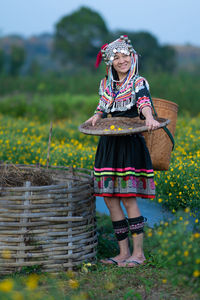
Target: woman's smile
x: 121, y: 63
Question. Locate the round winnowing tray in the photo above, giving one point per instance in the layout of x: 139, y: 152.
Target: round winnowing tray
x: 118, y: 126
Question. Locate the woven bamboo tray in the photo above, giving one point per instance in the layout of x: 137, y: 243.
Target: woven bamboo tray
x: 118, y: 126
x: 52, y: 227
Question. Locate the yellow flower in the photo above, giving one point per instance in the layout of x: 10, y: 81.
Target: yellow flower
x: 6, y: 285
x: 81, y: 296
x: 73, y: 283
x: 109, y: 286
x: 186, y: 253
x: 70, y: 274
x: 17, y: 296
x: 112, y: 127
x: 196, y: 221
x: 196, y: 235
x: 150, y: 233
x: 159, y: 200
x: 32, y: 281
x: 180, y: 263
x: 198, y: 261
x: 164, y: 280
x: 6, y: 254
x: 196, y: 273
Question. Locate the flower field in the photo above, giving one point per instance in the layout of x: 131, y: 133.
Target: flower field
x: 171, y: 249
x: 25, y: 141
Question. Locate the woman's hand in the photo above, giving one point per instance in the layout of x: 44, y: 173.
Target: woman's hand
x: 94, y: 119
x: 151, y: 123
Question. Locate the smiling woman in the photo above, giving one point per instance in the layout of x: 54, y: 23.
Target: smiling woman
x: 123, y: 168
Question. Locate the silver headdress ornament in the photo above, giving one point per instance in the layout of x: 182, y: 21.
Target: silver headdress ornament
x: 121, y: 45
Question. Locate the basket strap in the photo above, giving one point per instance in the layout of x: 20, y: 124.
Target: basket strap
x: 156, y: 115
x: 164, y: 128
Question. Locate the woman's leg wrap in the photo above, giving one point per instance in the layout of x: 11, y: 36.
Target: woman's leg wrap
x: 121, y: 229
x: 136, y: 225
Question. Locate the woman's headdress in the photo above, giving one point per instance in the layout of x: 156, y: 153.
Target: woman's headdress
x: 108, y: 51
x: 107, y: 86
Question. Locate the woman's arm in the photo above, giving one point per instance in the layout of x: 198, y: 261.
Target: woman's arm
x: 150, y: 122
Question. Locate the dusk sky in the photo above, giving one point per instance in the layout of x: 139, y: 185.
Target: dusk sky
x: 171, y: 21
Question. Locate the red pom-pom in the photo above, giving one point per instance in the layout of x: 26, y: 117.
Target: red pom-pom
x: 99, y: 56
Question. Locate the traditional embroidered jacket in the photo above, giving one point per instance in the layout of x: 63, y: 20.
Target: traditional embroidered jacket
x: 135, y: 92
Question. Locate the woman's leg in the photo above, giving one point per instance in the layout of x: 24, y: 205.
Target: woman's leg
x: 136, y: 224
x: 120, y: 225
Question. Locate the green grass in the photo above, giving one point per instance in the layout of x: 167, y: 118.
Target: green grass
x: 160, y: 278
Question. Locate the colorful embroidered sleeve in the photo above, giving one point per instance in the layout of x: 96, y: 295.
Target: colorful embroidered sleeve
x: 142, y: 95
x: 101, y: 90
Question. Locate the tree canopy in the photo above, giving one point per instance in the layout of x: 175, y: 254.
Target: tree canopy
x: 79, y: 36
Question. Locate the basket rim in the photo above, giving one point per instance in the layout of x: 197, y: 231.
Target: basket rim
x: 166, y: 101
x: 52, y: 186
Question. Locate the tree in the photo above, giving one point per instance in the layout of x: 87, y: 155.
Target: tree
x: 79, y: 36
x: 17, y: 59
x: 2, y: 60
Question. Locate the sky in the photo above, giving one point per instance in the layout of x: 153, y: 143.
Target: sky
x: 170, y: 21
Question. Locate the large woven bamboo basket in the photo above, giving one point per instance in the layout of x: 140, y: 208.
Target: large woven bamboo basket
x: 158, y: 142
x: 51, y: 227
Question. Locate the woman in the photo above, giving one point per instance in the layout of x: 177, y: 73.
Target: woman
x: 123, y: 168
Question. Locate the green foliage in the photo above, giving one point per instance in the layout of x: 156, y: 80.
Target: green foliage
x: 2, y: 60
x: 17, y: 59
x: 79, y: 36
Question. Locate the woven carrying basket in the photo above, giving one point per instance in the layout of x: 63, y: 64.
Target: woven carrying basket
x: 52, y: 227
x: 158, y: 141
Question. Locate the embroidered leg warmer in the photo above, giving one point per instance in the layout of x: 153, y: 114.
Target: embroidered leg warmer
x: 121, y: 229
x: 136, y: 225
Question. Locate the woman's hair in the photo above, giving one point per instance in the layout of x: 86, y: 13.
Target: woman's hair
x: 115, y: 75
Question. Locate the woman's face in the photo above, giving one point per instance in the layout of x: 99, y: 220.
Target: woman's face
x: 122, y: 63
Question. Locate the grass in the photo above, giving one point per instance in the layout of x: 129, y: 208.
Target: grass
x: 155, y: 280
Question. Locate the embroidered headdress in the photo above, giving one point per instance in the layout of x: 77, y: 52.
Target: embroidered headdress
x: 107, y: 93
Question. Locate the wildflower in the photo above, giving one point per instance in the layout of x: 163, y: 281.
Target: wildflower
x: 196, y: 273
x: 164, y: 280
x: 112, y: 127
x: 17, y: 296
x: 196, y: 235
x: 73, y: 283
x: 196, y: 221
x: 198, y: 261
x: 186, y: 253
x: 81, y: 296
x: 109, y: 286
x: 6, y: 285
x: 180, y: 263
x: 149, y: 234
x: 70, y: 274
x: 32, y: 281
x: 159, y: 200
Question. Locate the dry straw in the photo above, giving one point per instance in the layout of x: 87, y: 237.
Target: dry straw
x: 51, y: 226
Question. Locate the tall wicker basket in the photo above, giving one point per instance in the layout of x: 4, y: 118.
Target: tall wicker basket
x: 158, y: 142
x: 52, y: 227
